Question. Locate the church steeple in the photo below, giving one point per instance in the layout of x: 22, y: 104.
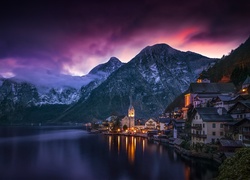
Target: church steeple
x: 131, y: 110
x: 131, y: 113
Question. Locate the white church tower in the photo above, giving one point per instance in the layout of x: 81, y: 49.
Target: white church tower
x: 131, y: 113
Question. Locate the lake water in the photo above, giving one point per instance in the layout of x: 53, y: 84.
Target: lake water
x: 72, y: 153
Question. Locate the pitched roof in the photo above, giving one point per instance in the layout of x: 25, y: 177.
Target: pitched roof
x: 225, y: 97
x: 210, y: 114
x: 245, y: 103
x: 211, y: 88
x: 247, y: 81
x: 231, y: 143
x: 178, y: 141
x: 164, y: 120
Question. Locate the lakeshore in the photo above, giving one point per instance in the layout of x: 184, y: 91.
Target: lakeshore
x: 174, y: 143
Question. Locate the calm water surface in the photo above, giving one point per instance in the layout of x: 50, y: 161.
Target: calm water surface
x: 71, y: 153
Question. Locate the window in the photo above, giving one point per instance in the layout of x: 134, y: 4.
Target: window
x: 221, y: 125
x: 214, y: 125
x: 213, y: 141
x: 221, y: 133
x: 214, y: 133
x: 203, y: 125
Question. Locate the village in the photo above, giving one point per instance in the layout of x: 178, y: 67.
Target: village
x: 213, y: 124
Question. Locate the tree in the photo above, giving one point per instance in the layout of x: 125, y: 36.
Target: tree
x: 236, y: 167
x: 125, y: 127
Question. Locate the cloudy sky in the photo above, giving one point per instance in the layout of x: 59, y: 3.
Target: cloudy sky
x: 71, y: 37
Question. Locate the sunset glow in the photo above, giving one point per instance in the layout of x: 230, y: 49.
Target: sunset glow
x: 72, y: 37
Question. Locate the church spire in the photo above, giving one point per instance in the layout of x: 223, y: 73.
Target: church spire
x: 131, y: 110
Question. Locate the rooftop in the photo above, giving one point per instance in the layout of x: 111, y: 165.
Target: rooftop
x: 231, y: 143
x: 211, y: 88
x: 210, y: 114
x: 247, y: 81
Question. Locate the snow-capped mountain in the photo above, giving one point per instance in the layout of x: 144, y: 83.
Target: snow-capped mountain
x: 154, y: 77
x: 101, y: 72
x: 19, y: 94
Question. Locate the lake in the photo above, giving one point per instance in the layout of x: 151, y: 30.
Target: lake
x: 72, y: 153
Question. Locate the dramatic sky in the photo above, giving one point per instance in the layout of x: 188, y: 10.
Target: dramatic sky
x: 71, y: 37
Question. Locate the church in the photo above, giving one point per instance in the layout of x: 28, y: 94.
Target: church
x: 129, y: 120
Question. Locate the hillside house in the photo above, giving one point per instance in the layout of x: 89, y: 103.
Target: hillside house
x: 207, y: 124
x: 239, y: 130
x: 200, y: 94
x: 240, y: 110
x: 226, y: 145
x: 227, y: 101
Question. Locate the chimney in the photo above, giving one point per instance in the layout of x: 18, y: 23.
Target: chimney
x: 219, y: 110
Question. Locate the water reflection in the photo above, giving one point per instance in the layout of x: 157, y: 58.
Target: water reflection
x: 74, y: 154
x: 131, y: 149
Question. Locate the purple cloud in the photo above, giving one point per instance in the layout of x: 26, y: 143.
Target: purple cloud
x: 74, y: 36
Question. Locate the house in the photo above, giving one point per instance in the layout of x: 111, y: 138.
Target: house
x: 151, y: 124
x: 162, y: 123
x: 226, y: 101
x: 226, y: 145
x: 200, y: 94
x: 176, y: 126
x: 245, y: 90
x: 207, y: 124
x: 242, y: 128
x: 240, y: 110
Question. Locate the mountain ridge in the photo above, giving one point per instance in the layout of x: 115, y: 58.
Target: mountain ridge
x: 146, y: 75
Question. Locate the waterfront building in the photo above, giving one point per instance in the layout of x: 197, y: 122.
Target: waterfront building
x: 207, y: 124
x: 125, y: 122
x: 239, y: 130
x: 151, y: 124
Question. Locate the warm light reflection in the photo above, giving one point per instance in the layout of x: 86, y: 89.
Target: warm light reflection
x: 131, y: 150
x: 126, y: 142
x: 118, y: 143
x: 143, y: 145
x: 110, y: 143
x: 187, y: 172
x: 160, y: 150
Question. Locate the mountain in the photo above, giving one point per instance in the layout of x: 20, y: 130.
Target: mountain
x: 235, y: 66
x: 154, y: 78
x: 22, y: 101
x: 101, y: 72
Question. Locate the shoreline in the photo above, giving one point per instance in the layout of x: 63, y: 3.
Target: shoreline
x: 181, y: 151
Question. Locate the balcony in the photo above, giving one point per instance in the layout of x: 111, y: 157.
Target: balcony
x: 246, y: 141
x: 199, y: 135
x: 246, y: 133
x: 197, y: 127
